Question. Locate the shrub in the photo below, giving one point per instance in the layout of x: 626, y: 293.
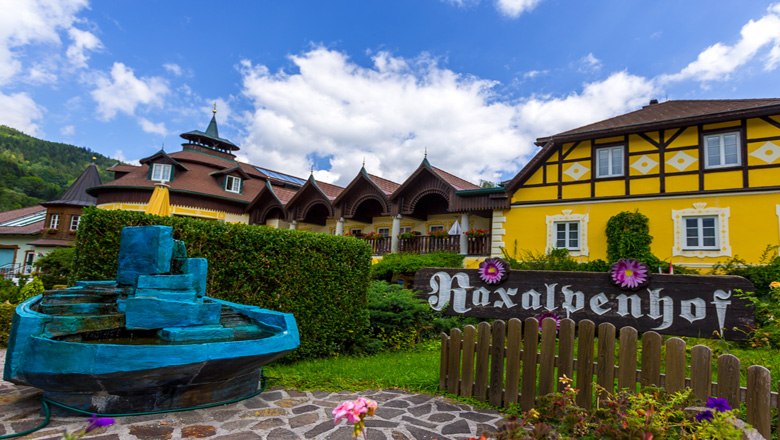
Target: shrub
x: 56, y: 267
x: 393, y: 265
x: 30, y: 289
x: 628, y: 236
x: 321, y: 279
x: 6, y: 317
x: 556, y: 259
x: 761, y: 274
x: 398, y: 317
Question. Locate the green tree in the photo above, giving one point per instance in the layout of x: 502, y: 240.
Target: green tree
x: 56, y: 267
x: 628, y: 236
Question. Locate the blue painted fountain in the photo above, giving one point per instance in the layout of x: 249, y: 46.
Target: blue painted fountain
x: 151, y: 340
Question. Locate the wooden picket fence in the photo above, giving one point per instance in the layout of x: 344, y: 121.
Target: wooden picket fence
x: 506, y: 363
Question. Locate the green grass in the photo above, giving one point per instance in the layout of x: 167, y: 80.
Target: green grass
x: 415, y: 370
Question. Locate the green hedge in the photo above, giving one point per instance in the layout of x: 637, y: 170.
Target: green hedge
x: 392, y: 265
x: 6, y: 316
x: 319, y: 278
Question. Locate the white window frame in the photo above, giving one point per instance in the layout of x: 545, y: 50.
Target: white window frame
x: 436, y: 227
x: 567, y: 230
x: 566, y: 216
x: 700, y: 210
x: 722, y: 150
x: 384, y: 232
x: 233, y: 184
x: 356, y: 232
x: 404, y: 229
x: 161, y: 172
x: 610, y: 163
x: 700, y: 233
x: 54, y: 221
x: 74, y: 219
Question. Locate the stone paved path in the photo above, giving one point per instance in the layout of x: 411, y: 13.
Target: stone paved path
x: 274, y: 415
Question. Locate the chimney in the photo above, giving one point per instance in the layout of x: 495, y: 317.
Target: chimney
x: 652, y: 102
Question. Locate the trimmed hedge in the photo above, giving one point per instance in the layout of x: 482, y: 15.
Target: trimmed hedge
x: 6, y: 317
x: 321, y: 279
x: 392, y: 265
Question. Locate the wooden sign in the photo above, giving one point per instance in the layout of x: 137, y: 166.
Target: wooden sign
x: 682, y: 305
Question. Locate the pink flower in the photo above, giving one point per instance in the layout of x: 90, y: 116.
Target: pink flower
x: 629, y: 273
x: 492, y: 270
x: 354, y: 412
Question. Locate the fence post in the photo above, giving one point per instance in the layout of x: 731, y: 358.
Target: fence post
x: 701, y: 372
x: 453, y: 363
x: 483, y: 355
x: 675, y: 365
x: 728, y: 379
x: 496, y: 392
x: 514, y: 332
x: 530, y: 344
x: 605, y: 369
x: 758, y: 399
x: 651, y: 359
x: 565, y: 351
x: 445, y: 342
x: 587, y: 330
x: 627, y: 359
x: 467, y: 362
x: 547, y: 357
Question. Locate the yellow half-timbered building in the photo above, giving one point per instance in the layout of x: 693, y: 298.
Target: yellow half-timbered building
x: 705, y: 173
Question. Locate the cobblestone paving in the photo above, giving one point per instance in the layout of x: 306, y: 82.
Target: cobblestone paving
x: 275, y: 414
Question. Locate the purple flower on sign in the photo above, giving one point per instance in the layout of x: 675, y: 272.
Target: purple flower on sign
x: 492, y: 270
x: 96, y: 422
x: 629, y: 273
x: 704, y: 415
x: 718, y: 404
x: 547, y: 314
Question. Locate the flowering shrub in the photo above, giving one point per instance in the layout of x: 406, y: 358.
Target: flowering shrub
x: 439, y: 234
x: 408, y: 234
x: 372, y: 235
x: 649, y: 415
x: 474, y: 232
x: 766, y: 308
x: 94, y: 422
x: 355, y: 412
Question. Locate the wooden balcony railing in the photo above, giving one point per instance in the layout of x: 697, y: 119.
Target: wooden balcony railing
x: 379, y: 246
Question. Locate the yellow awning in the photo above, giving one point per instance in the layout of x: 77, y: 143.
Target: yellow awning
x: 159, y: 203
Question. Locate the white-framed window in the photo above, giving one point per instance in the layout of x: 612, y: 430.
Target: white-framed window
x: 701, y: 232
x: 567, y: 235
x: 405, y: 229
x: 161, y: 172
x: 568, y: 231
x: 233, y: 184
x: 434, y: 228
x: 384, y: 232
x: 74, y: 222
x: 54, y: 221
x: 356, y: 232
x: 609, y: 161
x: 721, y: 150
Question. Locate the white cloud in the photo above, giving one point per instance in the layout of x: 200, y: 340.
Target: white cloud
x: 720, y: 60
x: 462, y: 3
x: 68, y: 130
x: 123, y: 92
x: 531, y: 74
x: 589, y: 63
x: 391, y: 112
x: 83, y: 41
x: 514, y: 8
x: 20, y: 112
x: 150, y: 127
x: 30, y: 22
x: 173, y: 68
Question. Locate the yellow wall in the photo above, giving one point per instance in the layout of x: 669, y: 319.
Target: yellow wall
x: 753, y: 224
x: 186, y: 211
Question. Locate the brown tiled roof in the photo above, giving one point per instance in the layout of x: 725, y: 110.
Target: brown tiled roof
x: 123, y: 168
x: 331, y: 191
x: 670, y: 114
x: 456, y: 182
x: 16, y: 214
x: 51, y: 242
x: 387, y: 186
x: 658, y: 116
x: 283, y: 194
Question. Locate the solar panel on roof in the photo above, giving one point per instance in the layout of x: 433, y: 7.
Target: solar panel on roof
x: 27, y: 220
x: 280, y: 176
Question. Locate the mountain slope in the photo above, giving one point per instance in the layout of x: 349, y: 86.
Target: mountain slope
x: 33, y: 170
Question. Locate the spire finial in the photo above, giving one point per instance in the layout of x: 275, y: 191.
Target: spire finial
x: 364, y: 161
x: 426, y: 153
x: 214, y: 111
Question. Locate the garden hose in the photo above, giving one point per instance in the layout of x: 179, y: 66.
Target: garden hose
x: 45, y: 402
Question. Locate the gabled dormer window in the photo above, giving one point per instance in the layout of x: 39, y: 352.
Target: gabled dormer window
x: 161, y: 172
x: 233, y: 184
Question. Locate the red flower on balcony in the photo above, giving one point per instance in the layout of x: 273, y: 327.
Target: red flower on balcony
x: 474, y: 232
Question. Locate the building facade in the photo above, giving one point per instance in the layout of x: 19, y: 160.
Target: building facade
x: 705, y: 173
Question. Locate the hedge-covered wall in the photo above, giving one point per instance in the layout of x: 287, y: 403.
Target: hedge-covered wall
x: 321, y: 279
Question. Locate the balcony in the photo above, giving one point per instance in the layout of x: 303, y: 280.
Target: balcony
x: 425, y: 244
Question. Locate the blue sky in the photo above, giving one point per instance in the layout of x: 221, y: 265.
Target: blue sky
x: 331, y: 84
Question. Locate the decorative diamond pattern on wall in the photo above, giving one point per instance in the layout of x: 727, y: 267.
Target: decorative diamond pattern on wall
x: 576, y: 171
x: 681, y: 161
x: 644, y: 164
x: 769, y: 152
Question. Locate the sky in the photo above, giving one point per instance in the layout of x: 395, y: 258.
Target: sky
x: 327, y: 86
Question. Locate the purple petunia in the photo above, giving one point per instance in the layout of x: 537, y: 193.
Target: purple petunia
x: 96, y: 422
x: 718, y: 404
x: 629, y: 273
x: 492, y: 270
x: 704, y: 415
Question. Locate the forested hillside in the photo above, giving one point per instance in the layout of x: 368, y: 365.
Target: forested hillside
x: 33, y: 170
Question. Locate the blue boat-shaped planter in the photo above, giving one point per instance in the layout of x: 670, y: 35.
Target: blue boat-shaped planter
x: 150, y: 341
